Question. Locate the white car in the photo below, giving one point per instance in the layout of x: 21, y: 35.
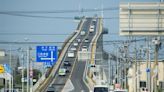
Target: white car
x: 62, y: 72
x: 82, y: 33
x: 86, y: 40
x: 84, y: 48
x: 78, y: 40
x: 91, y: 28
x: 73, y: 49
x: 75, y: 44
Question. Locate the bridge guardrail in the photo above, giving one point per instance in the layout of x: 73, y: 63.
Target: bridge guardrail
x: 87, y: 73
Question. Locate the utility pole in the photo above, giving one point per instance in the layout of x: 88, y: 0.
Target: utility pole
x: 22, y: 59
x: 109, y: 70
x: 136, y: 73
x: 157, y: 43
x: 117, y: 67
x: 156, y: 68
x: 28, y: 62
x: 148, y: 66
x: 125, y: 65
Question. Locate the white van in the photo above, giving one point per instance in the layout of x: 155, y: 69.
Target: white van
x: 71, y: 54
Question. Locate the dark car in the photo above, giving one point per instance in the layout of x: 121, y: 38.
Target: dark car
x: 67, y: 63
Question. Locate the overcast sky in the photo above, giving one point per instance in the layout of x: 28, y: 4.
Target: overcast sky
x: 15, y: 25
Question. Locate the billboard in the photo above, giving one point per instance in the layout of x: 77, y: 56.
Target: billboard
x: 141, y: 19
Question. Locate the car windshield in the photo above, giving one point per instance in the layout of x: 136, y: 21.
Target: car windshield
x: 100, y: 89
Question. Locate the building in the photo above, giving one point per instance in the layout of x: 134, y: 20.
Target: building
x: 139, y: 80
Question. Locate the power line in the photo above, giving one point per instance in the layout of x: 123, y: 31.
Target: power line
x: 51, y: 34
x: 47, y: 17
x: 29, y: 13
x: 31, y: 34
x: 36, y: 16
x: 107, y: 42
x: 60, y: 11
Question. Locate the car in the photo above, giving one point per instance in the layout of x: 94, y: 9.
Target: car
x: 67, y: 69
x: 75, y: 44
x: 67, y: 63
x: 86, y: 40
x: 91, y: 28
x: 62, y: 72
x: 84, y: 48
x: 82, y: 33
x: 71, y: 54
x: 78, y: 40
x: 73, y: 49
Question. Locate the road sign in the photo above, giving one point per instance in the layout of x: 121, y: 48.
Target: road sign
x: 46, y: 54
x: 147, y: 70
x: 2, y: 70
x: 7, y: 68
x: 48, y: 64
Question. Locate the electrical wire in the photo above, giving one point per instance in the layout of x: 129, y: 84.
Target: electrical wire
x: 31, y: 34
x: 60, y: 11
x: 107, y: 42
x: 48, y: 17
x: 29, y: 13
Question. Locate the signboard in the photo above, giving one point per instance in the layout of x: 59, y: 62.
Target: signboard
x: 46, y: 54
x: 147, y: 70
x: 138, y: 19
x: 48, y: 64
x: 7, y: 68
x: 2, y: 70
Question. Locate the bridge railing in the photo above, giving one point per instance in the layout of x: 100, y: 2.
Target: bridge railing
x: 88, y: 74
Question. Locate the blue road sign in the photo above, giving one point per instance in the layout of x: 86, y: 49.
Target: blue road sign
x: 46, y: 54
x: 7, y: 68
x: 147, y: 70
x: 48, y: 64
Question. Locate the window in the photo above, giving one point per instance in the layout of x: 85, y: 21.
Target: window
x: 100, y: 89
x: 142, y: 84
x: 161, y: 84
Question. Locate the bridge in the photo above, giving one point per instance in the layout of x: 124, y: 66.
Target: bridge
x: 80, y: 51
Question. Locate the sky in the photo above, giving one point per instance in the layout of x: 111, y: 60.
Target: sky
x: 14, y: 28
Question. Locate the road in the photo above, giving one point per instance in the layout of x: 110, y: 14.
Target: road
x: 77, y: 75
x: 59, y: 81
